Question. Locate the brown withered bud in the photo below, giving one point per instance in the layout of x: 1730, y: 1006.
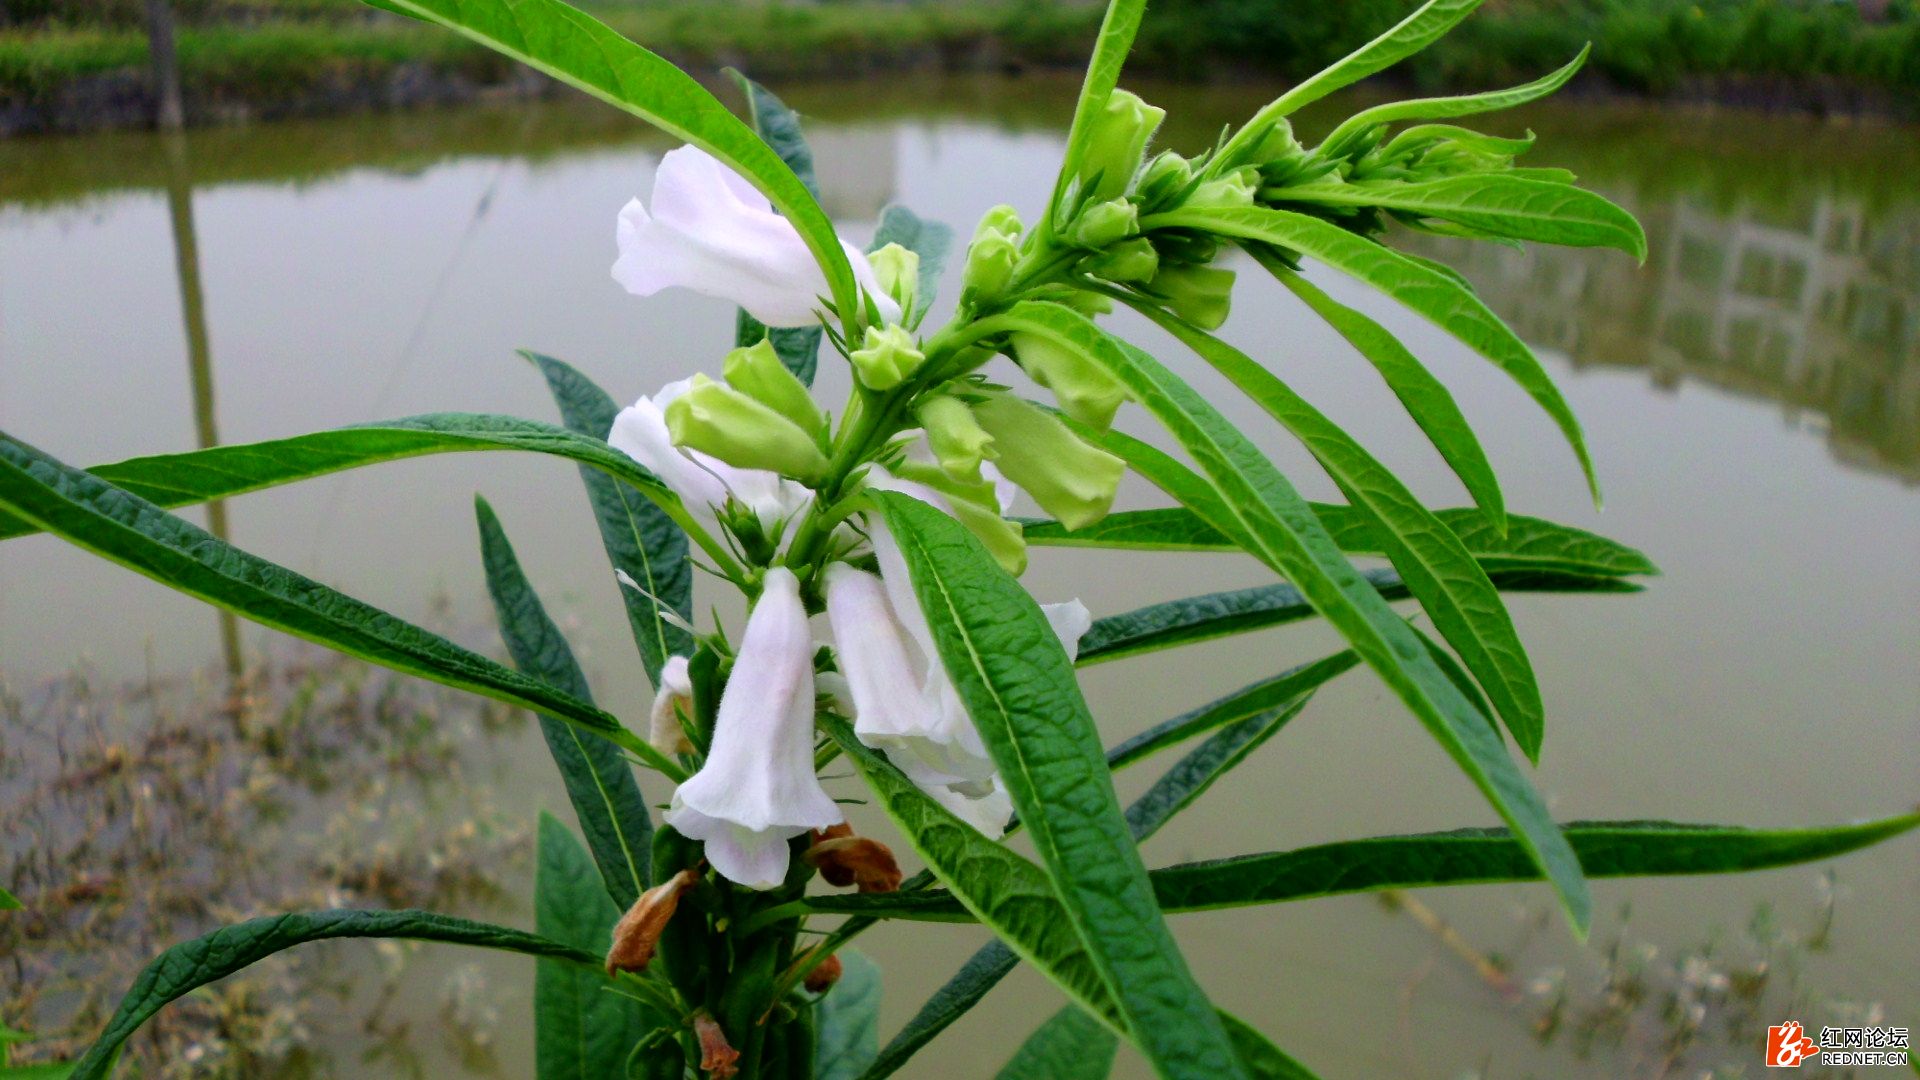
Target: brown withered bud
x: 845, y: 859
x: 823, y: 975
x: 638, y: 931
x: 718, y: 1058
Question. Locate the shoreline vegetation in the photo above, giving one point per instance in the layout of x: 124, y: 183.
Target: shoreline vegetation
x: 77, y: 65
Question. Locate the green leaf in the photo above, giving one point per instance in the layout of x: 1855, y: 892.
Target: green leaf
x: 1179, y: 786
x: 641, y: 540
x: 1019, y: 688
x: 849, y: 1020
x: 1425, y: 398
x: 8, y: 902
x: 1117, y: 28
x: 1263, y: 1059
x: 1248, y: 701
x: 1435, y: 566
x: 52, y: 1070
x: 600, y: 784
x: 579, y: 50
x: 194, y: 964
x: 928, y: 239
x: 1434, y: 295
x: 1519, y: 207
x: 1070, y: 1046
x: 798, y: 346
x: 581, y: 1029
x: 1290, y: 540
x: 1428, y: 24
x: 981, y: 973
x: 131, y: 531
x: 1446, y: 107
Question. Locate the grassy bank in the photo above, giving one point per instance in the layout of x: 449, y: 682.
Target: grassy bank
x: 271, y: 57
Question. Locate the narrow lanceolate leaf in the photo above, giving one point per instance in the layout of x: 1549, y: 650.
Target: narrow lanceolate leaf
x: 1442, y: 108
x: 848, y: 1020
x: 194, y: 964
x: 599, y: 782
x: 1290, y: 540
x: 581, y: 1029
x: 1435, y: 566
x: 1117, y: 28
x: 1248, y: 701
x: 110, y: 522
x: 1520, y: 207
x: 1178, y: 787
x: 1433, y: 295
x: 641, y: 540
x: 1426, y: 398
x: 1263, y: 1059
x: 980, y: 974
x: 797, y: 346
x: 1428, y: 24
x: 584, y: 53
x: 1070, y: 1046
x: 928, y: 239
x: 1019, y: 688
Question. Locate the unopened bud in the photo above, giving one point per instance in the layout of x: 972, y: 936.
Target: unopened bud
x: 1085, y: 389
x: 957, y: 440
x: 716, y: 419
x: 897, y: 269
x: 976, y: 505
x: 1071, y: 480
x: 824, y: 975
x: 1164, y: 178
x: 1118, y: 141
x: 845, y: 859
x: 757, y: 372
x: 638, y: 931
x: 1002, y: 218
x: 666, y: 732
x: 886, y: 357
x: 1236, y: 188
x: 718, y: 1058
x: 1199, y: 294
x: 990, y: 263
x: 1129, y: 260
x: 1104, y: 223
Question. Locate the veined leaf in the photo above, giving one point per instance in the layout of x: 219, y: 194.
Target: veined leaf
x: 641, y: 540
x: 1019, y: 688
x: 797, y: 346
x: 1070, y: 1046
x: 1442, y: 108
x: 1432, y: 294
x: 1426, y: 399
x: 194, y: 964
x: 116, y: 525
x: 980, y: 974
x: 928, y: 239
x: 579, y: 50
x: 599, y: 782
x: 581, y: 1031
x: 1117, y: 27
x: 849, y: 1020
x: 1520, y: 207
x: 1263, y: 1059
x: 1246, y: 702
x: 1428, y: 24
x: 1433, y: 563
x: 1291, y: 541
x: 1178, y: 787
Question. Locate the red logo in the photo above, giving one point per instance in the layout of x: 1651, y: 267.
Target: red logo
x: 1788, y: 1046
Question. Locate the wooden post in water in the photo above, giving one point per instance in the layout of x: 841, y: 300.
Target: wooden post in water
x: 168, y: 116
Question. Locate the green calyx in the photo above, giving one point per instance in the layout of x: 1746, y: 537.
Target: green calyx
x: 1164, y: 178
x: 717, y: 419
x: 1071, y: 480
x: 1085, y: 390
x: 990, y: 262
x: 1118, y: 142
x: 1104, y: 223
x: 1201, y: 295
x: 1133, y: 260
x: 757, y: 372
x: 1236, y: 188
x: 886, y: 357
x: 957, y: 440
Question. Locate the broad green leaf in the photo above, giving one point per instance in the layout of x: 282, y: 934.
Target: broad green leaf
x: 1428, y: 24
x: 581, y: 1029
x: 1290, y: 540
x: 849, y: 1020
x: 928, y: 239
x: 1263, y: 1059
x: 1019, y: 688
x: 1248, y: 701
x: 131, y: 531
x: 8, y: 902
x: 1501, y: 204
x: 1425, y: 398
x: 586, y: 54
x: 1433, y: 295
x: 1434, y: 565
x: 600, y: 784
x: 1117, y: 27
x: 1442, y: 108
x: 797, y: 346
x: 641, y: 540
x: 193, y: 964
x: 1070, y: 1046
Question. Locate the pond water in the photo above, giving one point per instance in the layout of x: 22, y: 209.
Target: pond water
x: 1752, y: 395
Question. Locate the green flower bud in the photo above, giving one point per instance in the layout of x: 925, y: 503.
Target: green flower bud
x: 1071, y: 480
x: 1086, y: 391
x: 1118, y: 141
x: 1184, y: 247
x: 898, y: 271
x: 977, y: 506
x: 1236, y: 188
x: 757, y: 372
x: 1199, y: 294
x: 1003, y: 219
x: 886, y: 357
x: 1129, y: 260
x: 1104, y: 223
x: 990, y: 263
x: 958, y: 441
x: 1165, y: 177
x: 716, y: 419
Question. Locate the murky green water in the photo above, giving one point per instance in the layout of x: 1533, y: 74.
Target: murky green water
x: 1752, y: 396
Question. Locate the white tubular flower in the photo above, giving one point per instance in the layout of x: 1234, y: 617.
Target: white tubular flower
x: 703, y: 482
x: 712, y: 232
x: 674, y: 696
x: 758, y: 789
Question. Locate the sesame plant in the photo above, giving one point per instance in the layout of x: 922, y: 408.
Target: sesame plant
x: 889, y: 645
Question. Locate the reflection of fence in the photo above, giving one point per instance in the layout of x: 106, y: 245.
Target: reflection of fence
x: 1814, y: 303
